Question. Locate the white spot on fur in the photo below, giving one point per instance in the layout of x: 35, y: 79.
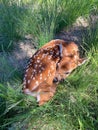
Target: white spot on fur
x: 28, y: 81
x: 45, y: 79
x: 34, y: 70
x: 38, y: 61
x: 34, y: 56
x: 38, y: 97
x: 37, y: 83
x: 40, y: 65
x: 34, y: 87
x: 30, y: 64
x: 25, y: 75
x: 40, y: 71
x: 49, y: 74
x: 42, y: 68
x: 40, y: 74
x: 24, y: 84
x: 49, y: 58
x: 44, y: 55
x: 27, y: 66
x: 35, y: 66
x: 33, y: 78
x: 27, y: 70
x: 52, y: 67
x: 40, y: 77
x: 48, y: 71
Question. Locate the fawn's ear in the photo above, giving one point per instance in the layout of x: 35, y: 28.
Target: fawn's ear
x: 81, y: 61
x: 57, y: 51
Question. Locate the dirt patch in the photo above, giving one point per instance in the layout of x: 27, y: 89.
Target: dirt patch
x: 22, y: 51
x: 74, y: 33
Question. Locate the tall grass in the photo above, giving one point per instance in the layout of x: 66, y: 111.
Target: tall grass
x: 14, y: 22
x: 75, y: 105
x: 52, y: 16
x: 90, y: 36
x: 42, y: 18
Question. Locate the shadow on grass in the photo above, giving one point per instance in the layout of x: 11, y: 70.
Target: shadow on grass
x: 84, y: 37
x: 15, y: 22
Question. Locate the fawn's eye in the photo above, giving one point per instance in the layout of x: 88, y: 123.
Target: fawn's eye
x: 71, y: 55
x: 63, y: 66
x: 67, y: 73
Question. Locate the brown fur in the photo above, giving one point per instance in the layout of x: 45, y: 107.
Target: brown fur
x: 54, y: 61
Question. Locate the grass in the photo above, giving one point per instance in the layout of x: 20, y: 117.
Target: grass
x: 75, y: 104
x: 42, y: 19
x: 7, y: 70
x: 14, y: 22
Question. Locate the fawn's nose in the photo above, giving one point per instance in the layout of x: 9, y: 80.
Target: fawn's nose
x: 55, y: 80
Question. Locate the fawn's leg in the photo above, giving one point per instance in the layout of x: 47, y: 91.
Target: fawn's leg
x: 46, y: 92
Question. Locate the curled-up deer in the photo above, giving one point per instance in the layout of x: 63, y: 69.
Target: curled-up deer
x: 51, y: 64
